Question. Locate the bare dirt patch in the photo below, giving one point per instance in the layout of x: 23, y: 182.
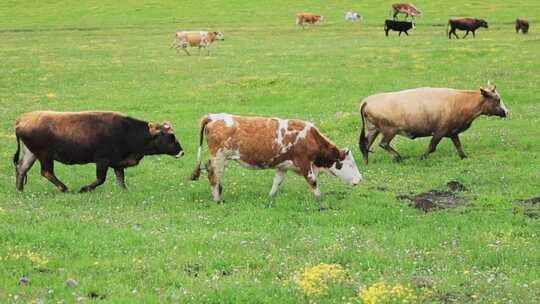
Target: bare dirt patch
x: 434, y: 200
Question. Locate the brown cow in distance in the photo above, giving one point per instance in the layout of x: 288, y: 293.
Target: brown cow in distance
x: 465, y: 24
x: 311, y: 18
x: 423, y: 112
x: 108, y: 139
x: 522, y: 25
x: 405, y: 8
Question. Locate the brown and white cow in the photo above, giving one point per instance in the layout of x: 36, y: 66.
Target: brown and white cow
x: 522, y: 25
x: 199, y: 39
x: 310, y: 18
x: 271, y: 143
x: 423, y: 112
x: 405, y: 8
x: 465, y: 24
x: 108, y: 139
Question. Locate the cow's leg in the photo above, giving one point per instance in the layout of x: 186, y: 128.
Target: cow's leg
x: 457, y: 144
x: 310, y: 174
x: 386, y: 31
x: 120, y: 177
x: 432, y: 146
x: 399, y: 33
x: 473, y: 33
x: 215, y: 168
x: 101, y: 176
x: 185, y: 50
x: 278, y: 179
x: 23, y: 166
x: 385, y: 144
x: 372, y: 135
x: 47, y: 171
x: 466, y: 34
x: 406, y: 33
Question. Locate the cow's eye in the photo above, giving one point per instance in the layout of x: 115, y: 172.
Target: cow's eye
x: 339, y: 165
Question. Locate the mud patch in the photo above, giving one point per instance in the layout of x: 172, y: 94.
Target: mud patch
x: 528, y: 207
x: 437, y: 200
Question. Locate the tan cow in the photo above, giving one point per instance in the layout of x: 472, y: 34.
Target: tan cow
x: 311, y: 18
x: 405, y: 8
x: 435, y: 112
x: 271, y: 143
x: 200, y: 39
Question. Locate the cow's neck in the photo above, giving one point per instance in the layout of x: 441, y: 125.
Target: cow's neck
x: 471, y: 107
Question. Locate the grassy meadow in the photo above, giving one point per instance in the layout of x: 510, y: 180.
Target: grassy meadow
x: 165, y: 240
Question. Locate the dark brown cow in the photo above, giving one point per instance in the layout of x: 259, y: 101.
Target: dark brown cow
x: 405, y: 8
x: 436, y: 112
x: 522, y: 25
x: 302, y: 18
x: 271, y: 143
x: 464, y: 24
x: 107, y: 139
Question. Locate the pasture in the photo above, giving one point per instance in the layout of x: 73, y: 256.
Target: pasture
x: 165, y: 240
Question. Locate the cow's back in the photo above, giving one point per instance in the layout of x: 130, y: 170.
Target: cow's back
x: 73, y: 137
x: 420, y: 109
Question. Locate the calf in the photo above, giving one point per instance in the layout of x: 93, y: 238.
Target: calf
x: 271, y: 143
x: 405, y: 8
x: 464, y: 24
x: 425, y: 112
x: 353, y: 16
x: 302, y: 18
x: 200, y: 39
x: 108, y: 139
x: 522, y: 25
x: 398, y: 26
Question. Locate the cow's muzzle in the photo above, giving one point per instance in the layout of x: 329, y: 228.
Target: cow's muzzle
x: 180, y: 154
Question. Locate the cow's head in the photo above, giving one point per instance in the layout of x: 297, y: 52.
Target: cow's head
x: 413, y: 25
x: 493, y: 103
x: 219, y: 35
x: 320, y: 19
x: 482, y: 23
x: 345, y: 168
x: 163, y: 140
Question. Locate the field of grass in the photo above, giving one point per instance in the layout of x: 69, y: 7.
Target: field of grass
x: 165, y: 240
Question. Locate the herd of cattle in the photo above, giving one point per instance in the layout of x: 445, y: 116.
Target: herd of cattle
x: 114, y: 140
x: 204, y: 39
x: 117, y: 141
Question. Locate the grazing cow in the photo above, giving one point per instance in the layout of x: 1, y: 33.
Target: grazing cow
x: 425, y: 112
x: 522, y: 25
x: 464, y: 24
x: 302, y: 18
x: 264, y: 143
x: 405, y: 8
x: 200, y: 39
x: 398, y: 26
x: 353, y: 16
x: 108, y: 139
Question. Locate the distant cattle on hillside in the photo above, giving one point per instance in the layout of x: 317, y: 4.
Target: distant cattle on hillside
x: 405, y: 8
x: 398, y: 26
x: 522, y: 25
x: 302, y: 18
x: 465, y: 24
x: 353, y: 16
x: 199, y: 39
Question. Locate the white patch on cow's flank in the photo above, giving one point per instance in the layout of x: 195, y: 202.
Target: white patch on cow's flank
x: 226, y: 118
x: 282, y: 131
x: 286, y: 165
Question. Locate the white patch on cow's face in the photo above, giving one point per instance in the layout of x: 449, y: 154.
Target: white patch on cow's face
x: 220, y: 36
x: 502, y: 105
x: 321, y: 20
x: 226, y: 118
x: 348, y: 171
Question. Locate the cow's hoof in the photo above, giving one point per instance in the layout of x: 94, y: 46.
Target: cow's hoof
x: 62, y: 189
x: 463, y: 156
x: 86, y: 189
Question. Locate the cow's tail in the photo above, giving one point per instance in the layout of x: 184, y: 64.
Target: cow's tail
x: 362, y: 141
x: 297, y: 20
x: 17, y: 153
x: 197, y: 171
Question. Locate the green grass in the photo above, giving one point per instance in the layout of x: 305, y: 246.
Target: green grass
x: 164, y: 240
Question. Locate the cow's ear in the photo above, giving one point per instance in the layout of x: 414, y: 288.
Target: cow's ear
x: 485, y: 92
x: 166, y: 126
x: 153, y: 128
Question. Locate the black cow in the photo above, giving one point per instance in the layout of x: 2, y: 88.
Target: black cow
x: 398, y: 26
x: 465, y: 24
x: 522, y: 25
x: 107, y: 139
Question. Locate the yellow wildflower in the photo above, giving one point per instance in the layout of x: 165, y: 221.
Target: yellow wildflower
x: 315, y: 280
x: 381, y: 293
